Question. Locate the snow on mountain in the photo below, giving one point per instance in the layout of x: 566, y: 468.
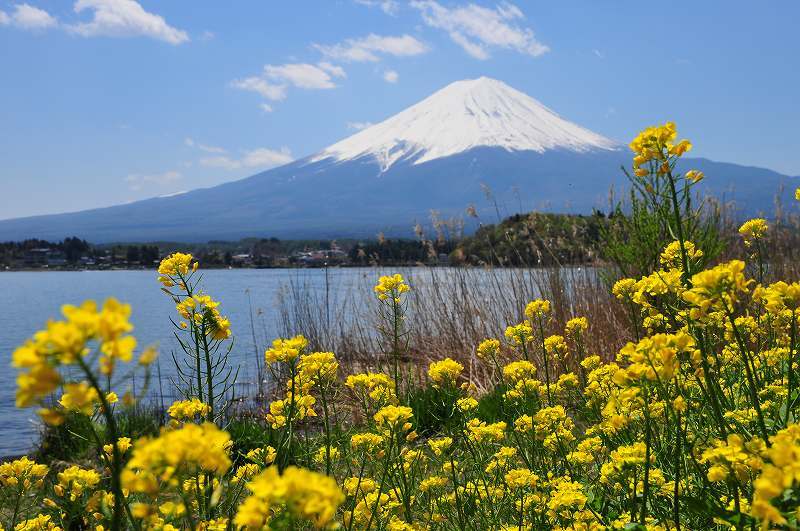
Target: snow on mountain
x: 467, y: 114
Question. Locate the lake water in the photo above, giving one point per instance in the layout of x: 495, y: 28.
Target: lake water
x: 29, y: 299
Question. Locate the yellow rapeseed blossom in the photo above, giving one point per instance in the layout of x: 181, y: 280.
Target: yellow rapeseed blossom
x: 188, y: 409
x: 519, y: 334
x: 445, y: 372
x: 488, y: 349
x: 393, y: 416
x: 40, y: 522
x: 187, y: 450
x: 718, y: 288
x: 753, y: 230
x: 175, y: 266
x: 22, y: 473
x: 286, y: 350
x: 537, y: 309
x: 306, y: 495
x: 391, y: 287
x: 318, y: 367
x: 657, y: 144
x: 671, y: 255
x: 576, y: 327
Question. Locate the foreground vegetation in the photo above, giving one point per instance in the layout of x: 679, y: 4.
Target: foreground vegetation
x: 690, y: 425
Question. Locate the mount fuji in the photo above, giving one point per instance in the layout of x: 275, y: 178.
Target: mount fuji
x: 442, y: 154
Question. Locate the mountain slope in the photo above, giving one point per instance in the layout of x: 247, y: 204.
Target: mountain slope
x: 440, y: 154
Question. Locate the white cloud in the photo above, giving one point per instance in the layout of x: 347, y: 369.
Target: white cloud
x: 390, y: 7
x: 266, y: 107
x: 124, y: 18
x: 256, y: 158
x: 358, y: 126
x: 391, y: 76
x: 138, y: 181
x: 332, y: 69
x: 479, y: 29
x: 274, y: 82
x: 304, y: 75
x: 207, y: 35
x: 5, y: 20
x: 203, y: 147
x: 28, y: 17
x: 598, y: 53
x: 368, y: 49
x: 261, y: 86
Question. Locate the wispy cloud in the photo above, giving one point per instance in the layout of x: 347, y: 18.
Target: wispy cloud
x: 138, y: 181
x: 599, y: 54
x: 28, y: 17
x: 203, y: 147
x: 371, y: 47
x: 256, y: 158
x: 304, y: 75
x: 266, y: 107
x: 259, y: 85
x: 390, y: 7
x: 479, y: 29
x: 358, y: 126
x: 391, y: 76
x: 275, y: 80
x: 124, y: 18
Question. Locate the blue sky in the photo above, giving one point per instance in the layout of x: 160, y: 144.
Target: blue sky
x: 108, y: 101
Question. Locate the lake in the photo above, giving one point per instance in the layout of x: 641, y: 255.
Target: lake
x: 31, y: 298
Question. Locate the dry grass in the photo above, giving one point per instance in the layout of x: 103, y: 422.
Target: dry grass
x: 451, y: 310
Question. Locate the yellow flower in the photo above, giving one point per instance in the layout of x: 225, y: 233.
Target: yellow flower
x: 23, y: 472
x: 318, y: 367
x: 80, y: 397
x: 39, y: 523
x: 466, y: 404
x: 657, y: 145
x: 520, y: 478
x: 576, y: 326
x: 188, y: 409
x: 175, y: 265
x: 438, y: 446
x: 519, y: 334
x: 537, y: 309
x: 123, y: 445
x: 286, y: 350
x: 392, y: 416
x: 305, y: 495
x: 488, y: 349
x: 518, y: 370
x: 391, y: 287
x: 481, y: 432
x: 445, y: 372
x: 671, y: 255
x: 74, y: 481
x: 694, y: 176
x: 555, y: 346
x: 366, y: 442
x: 717, y: 288
x: 191, y: 448
x: 753, y: 230
x: 624, y: 289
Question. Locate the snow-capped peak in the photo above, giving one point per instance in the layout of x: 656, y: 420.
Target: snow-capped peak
x: 466, y: 114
